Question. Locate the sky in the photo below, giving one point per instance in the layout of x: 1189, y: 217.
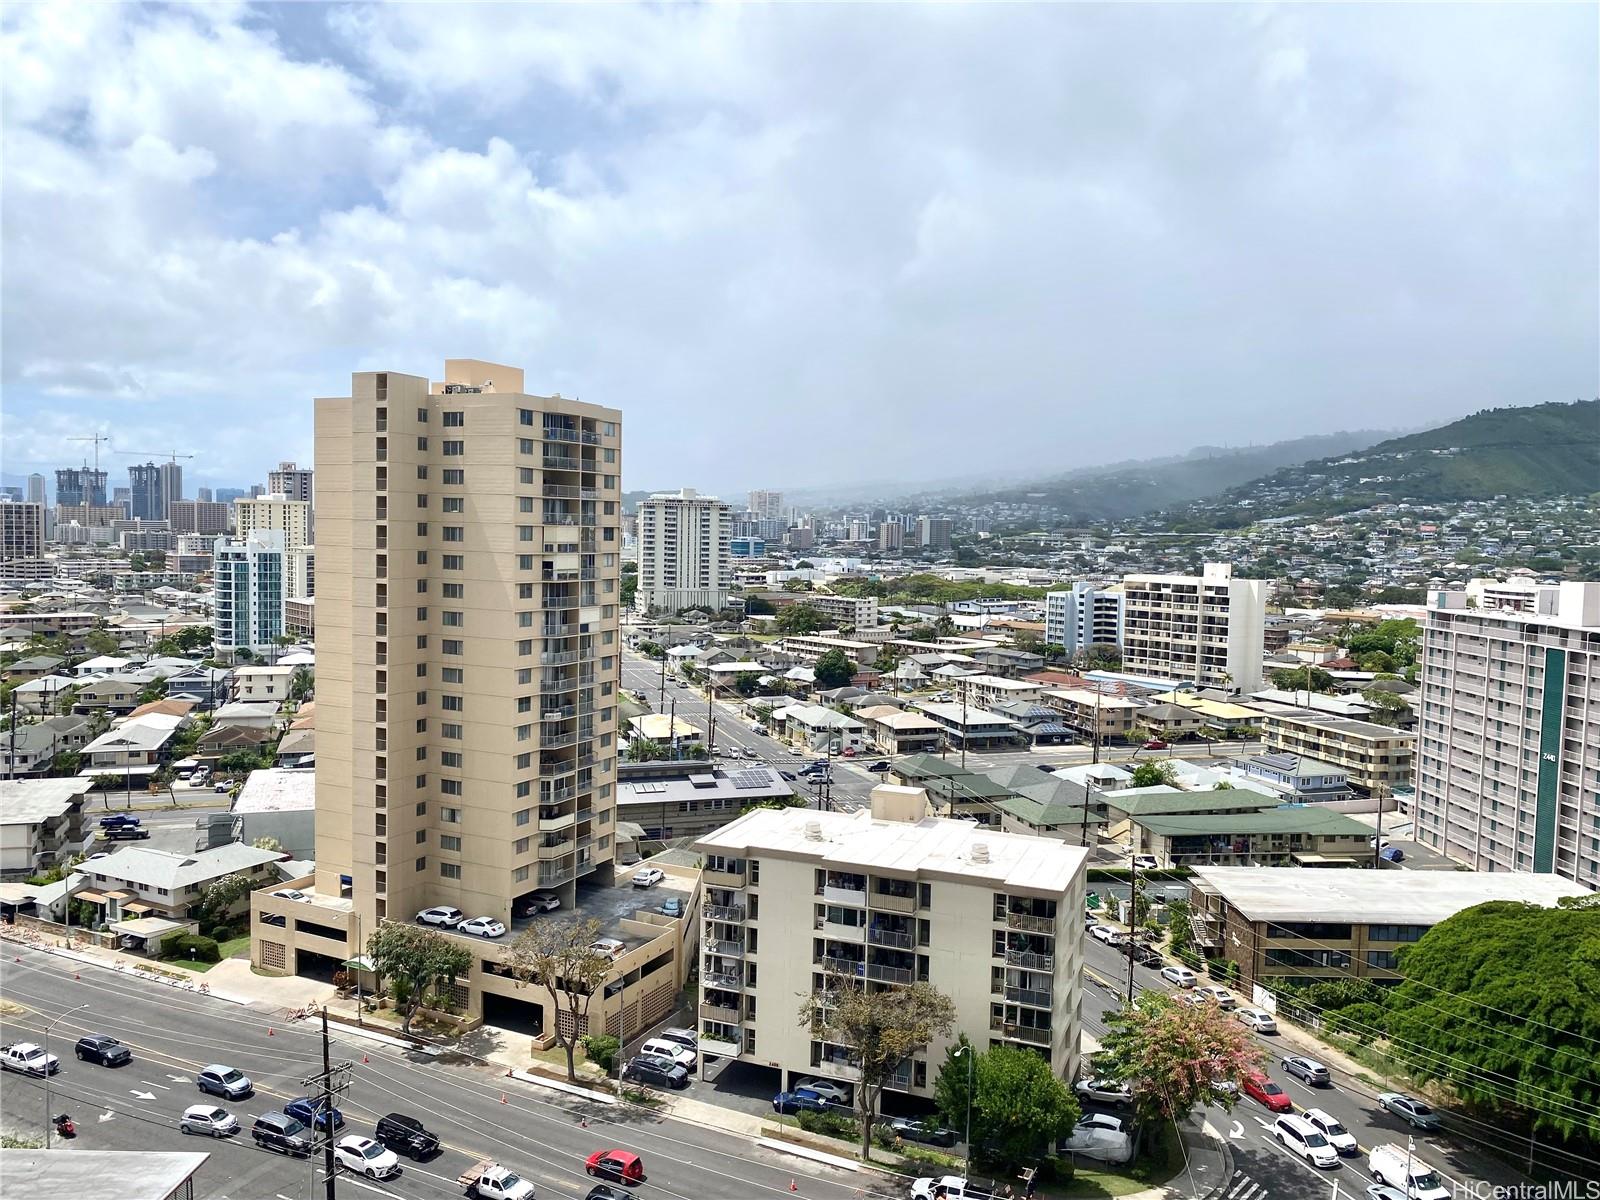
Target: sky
x: 797, y: 245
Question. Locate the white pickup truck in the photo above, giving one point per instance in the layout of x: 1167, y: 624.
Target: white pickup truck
x: 490, y: 1181
x: 29, y: 1059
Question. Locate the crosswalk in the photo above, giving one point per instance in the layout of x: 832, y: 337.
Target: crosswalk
x: 1242, y: 1187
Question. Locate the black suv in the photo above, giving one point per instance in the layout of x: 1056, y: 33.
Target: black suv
x: 279, y: 1131
x: 405, y: 1135
x: 656, y: 1071
x: 104, y: 1049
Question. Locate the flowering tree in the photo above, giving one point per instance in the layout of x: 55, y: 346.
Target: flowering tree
x: 1173, y: 1056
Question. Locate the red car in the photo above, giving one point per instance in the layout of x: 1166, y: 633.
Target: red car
x: 1155, y: 744
x: 848, y: 752
x: 1259, y: 1087
x: 622, y: 1165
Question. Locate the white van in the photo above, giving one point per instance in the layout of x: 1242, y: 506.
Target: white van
x: 1394, y: 1166
x: 1305, y: 1139
x: 671, y: 1051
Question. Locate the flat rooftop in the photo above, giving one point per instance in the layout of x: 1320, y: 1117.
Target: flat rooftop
x: 932, y: 848
x: 277, y: 789
x: 29, y: 801
x: 1375, y: 897
x: 123, y: 1174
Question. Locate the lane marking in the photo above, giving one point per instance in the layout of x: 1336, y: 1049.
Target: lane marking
x: 162, y: 1086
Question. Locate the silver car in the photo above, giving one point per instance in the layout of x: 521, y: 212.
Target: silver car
x: 1409, y: 1109
x: 209, y: 1120
x: 1307, y: 1069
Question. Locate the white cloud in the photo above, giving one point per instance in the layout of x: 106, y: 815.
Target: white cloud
x: 933, y: 238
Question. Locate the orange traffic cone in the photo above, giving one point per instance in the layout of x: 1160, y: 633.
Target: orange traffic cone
x: 365, y: 1060
x: 583, y: 1122
x: 503, y: 1099
x: 793, y: 1186
x: 269, y: 1032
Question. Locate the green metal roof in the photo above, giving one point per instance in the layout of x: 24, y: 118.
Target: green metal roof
x: 1291, y: 818
x: 1045, y: 814
x: 1172, y: 802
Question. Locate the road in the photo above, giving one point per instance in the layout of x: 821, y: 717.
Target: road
x: 477, y: 1112
x: 1266, y: 1171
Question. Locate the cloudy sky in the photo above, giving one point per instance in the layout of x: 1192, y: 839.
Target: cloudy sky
x: 804, y: 244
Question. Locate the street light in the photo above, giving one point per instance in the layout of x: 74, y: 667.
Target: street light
x: 47, y: 1027
x: 966, y: 1049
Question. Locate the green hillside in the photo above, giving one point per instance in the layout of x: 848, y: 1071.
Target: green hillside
x: 1544, y: 450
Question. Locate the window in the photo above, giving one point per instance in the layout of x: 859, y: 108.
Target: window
x: 524, y: 761
x: 422, y: 864
x: 422, y: 837
x: 524, y: 732
x: 449, y: 841
x: 422, y: 752
x: 524, y: 445
x: 455, y: 562
x: 422, y: 641
x: 525, y: 647
x: 524, y: 562
x: 422, y: 558
x: 455, y: 591
x: 455, y: 475
x: 422, y: 444
x: 450, y: 787
x: 524, y: 675
x: 450, y: 816
x: 454, y: 449
x: 1382, y: 960
x: 453, y: 732
x: 525, y: 533
x: 422, y: 727
x: 452, y: 646
x: 450, y: 758
x: 525, y: 619
x: 454, y: 619
x: 455, y: 420
x: 520, y: 846
x: 524, y: 789
x: 422, y: 587
x: 422, y: 808
x: 1396, y: 933
x: 609, y: 428
x: 525, y: 504
x: 422, y: 614
x: 524, y: 591
x: 422, y: 416
x: 452, y: 703
x: 453, y: 675
x: 448, y: 870
x: 610, y: 455
x: 524, y: 416
x: 524, y: 815
x: 520, y: 875
x: 455, y: 504
x: 524, y: 703
x: 422, y: 471
x: 455, y: 533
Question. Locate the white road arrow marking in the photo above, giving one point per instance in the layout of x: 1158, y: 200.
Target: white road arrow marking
x: 162, y: 1086
x: 107, y: 1116
x: 1260, y: 1122
x: 180, y: 1079
x: 141, y: 1095
x: 1237, y: 1132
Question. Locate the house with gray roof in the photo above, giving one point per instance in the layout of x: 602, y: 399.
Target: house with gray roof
x: 41, y: 822
x: 141, y: 882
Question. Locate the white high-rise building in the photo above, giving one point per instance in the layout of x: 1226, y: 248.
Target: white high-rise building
x: 1204, y: 629
x: 685, y: 556
x: 1089, y: 614
x: 292, y: 518
x: 767, y: 505
x: 247, y: 591
x: 1508, y: 752
x: 36, y: 488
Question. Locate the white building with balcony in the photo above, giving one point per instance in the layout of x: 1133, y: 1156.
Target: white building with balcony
x: 797, y: 901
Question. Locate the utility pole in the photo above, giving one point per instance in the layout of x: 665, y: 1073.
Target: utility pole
x: 672, y: 728
x: 330, y: 1084
x: 663, y: 698
x: 1133, y: 911
x: 966, y: 735
x: 1096, y: 734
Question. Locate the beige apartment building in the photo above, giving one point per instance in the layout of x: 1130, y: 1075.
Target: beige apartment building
x: 21, y: 530
x: 467, y: 651
x: 796, y: 900
x: 1204, y: 629
x: 1376, y: 758
x: 685, y: 556
x: 292, y: 518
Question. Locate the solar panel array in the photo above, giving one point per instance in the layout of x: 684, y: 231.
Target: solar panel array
x: 751, y: 778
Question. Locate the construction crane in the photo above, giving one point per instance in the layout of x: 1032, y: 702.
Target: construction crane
x: 171, y: 456
x: 96, y: 439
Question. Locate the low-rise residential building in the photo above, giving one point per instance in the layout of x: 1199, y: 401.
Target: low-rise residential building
x: 41, y: 824
x: 1132, y: 804
x: 670, y: 800
x: 971, y: 728
x: 257, y: 684
x: 896, y: 731
x: 817, y: 727
x: 1171, y: 722
x: 134, y: 747
x: 33, y: 749
x: 1083, y: 710
x: 1376, y: 758
x: 140, y: 882
x: 1292, y: 835
x: 810, y: 647
x: 1279, y: 923
x: 665, y: 729
x: 987, y: 690
x: 1298, y: 779
x: 279, y: 804
x: 800, y: 902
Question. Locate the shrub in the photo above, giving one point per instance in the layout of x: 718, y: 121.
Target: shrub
x: 829, y: 1124
x: 188, y: 946
x: 601, y: 1048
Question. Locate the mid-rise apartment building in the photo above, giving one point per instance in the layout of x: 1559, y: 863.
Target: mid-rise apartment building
x: 856, y: 612
x: 1375, y: 758
x: 292, y: 482
x: 197, y: 516
x: 1090, y: 614
x: 292, y: 518
x: 1203, y: 629
x: 891, y: 535
x: 685, y: 560
x: 247, y: 592
x: 1508, y: 757
x: 935, y: 533
x: 767, y: 505
x: 798, y: 902
x: 21, y: 530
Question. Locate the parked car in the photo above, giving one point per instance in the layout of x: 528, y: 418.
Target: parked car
x: 1104, y: 1091
x: 315, y: 1111
x: 209, y: 1120
x: 848, y: 752
x: 1392, y: 854
x: 1409, y: 1109
x: 930, y: 1133
x: 657, y: 1072
x: 539, y: 902
x: 1220, y: 996
x: 367, y: 1157
x: 799, y: 1100
x: 484, y: 927
x: 671, y: 1051
x: 790, y: 776
x: 442, y: 914
x: 291, y: 894
x: 406, y: 1135
x: 1106, y: 934
x: 281, y: 1132
x: 684, y: 1037
x: 1145, y: 956
x: 671, y: 907
x: 1301, y: 1137
x: 1264, y: 1091
x: 622, y: 1165
x: 1179, y: 975
x: 1145, y: 862
x: 607, y: 946
x: 1155, y: 744
x: 952, y: 1187
x: 1098, y: 1120
x: 1307, y: 1069
x: 1097, y: 1143
x: 118, y: 821
x: 1255, y: 1019
x: 228, y: 1082
x: 826, y: 1088
x: 104, y: 1049
x: 605, y: 1191
x: 647, y: 877
x: 1340, y: 1138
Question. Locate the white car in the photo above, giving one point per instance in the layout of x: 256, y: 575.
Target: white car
x: 828, y: 1090
x: 1145, y: 862
x: 647, y: 877
x: 1098, y: 1144
x: 1255, y: 1019
x: 210, y: 1120
x: 1340, y: 1138
x: 1104, y: 933
x: 953, y: 1187
x: 290, y: 894
x: 1221, y: 996
x: 672, y: 1051
x: 367, y: 1157
x: 1109, y: 1121
x: 485, y: 927
x: 1104, y: 1091
x: 1181, y: 976
x: 441, y: 914
x: 611, y: 947
x: 1305, y: 1139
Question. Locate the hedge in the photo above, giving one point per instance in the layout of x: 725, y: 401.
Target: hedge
x: 204, y: 949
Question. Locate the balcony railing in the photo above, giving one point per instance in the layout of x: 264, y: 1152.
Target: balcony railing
x: 723, y: 879
x: 887, y: 974
x: 720, y: 1044
x: 549, y: 877
x: 856, y: 897
x: 1030, y: 922
x: 890, y: 937
x: 1037, y: 997
x: 891, y: 902
x: 1033, y: 962
x: 842, y: 933
x: 839, y: 966
x: 552, y: 741
x: 727, y: 1016
x: 725, y: 949
x: 720, y: 979
x: 725, y: 912
x: 1022, y: 1033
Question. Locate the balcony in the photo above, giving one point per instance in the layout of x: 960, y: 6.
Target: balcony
x: 552, y: 876
x: 725, y: 912
x: 887, y: 974
x: 1031, y: 923
x: 553, y: 850
x: 1022, y: 1033
x: 726, y: 1016
x: 892, y: 902
x: 855, y: 897
x: 712, y: 977
x: 725, y: 949
x: 1036, y: 997
x: 1030, y: 960
x: 720, y: 1044
x: 842, y: 933
x: 723, y: 879
x: 560, y: 658
x: 852, y: 967
x: 890, y: 937
x: 553, y: 741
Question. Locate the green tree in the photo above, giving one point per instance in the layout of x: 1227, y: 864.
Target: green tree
x: 1172, y: 1056
x: 747, y: 683
x: 1387, y: 707
x: 66, y: 764
x: 630, y: 583
x: 799, y: 619
x: 882, y: 1030
x: 418, y: 959
x: 797, y: 585
x: 1019, y: 1108
x: 645, y: 750
x: 557, y: 956
x: 1298, y: 679
x: 100, y: 641
x: 300, y: 684
x: 217, y: 902
x: 834, y: 670
x: 758, y: 606
x: 1153, y: 774
x: 1099, y: 656
x: 239, y: 762
x: 1502, y: 1003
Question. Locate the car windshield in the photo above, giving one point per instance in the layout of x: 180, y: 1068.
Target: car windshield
x: 1316, y: 1139
x: 1426, y: 1180
x: 509, y: 1181
x: 1334, y: 1129
x: 292, y: 1127
x: 217, y: 1114
x: 371, y: 1150
x: 1422, y: 1110
x: 1271, y: 1089
x: 231, y: 1075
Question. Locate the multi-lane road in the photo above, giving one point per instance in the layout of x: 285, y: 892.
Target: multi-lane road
x: 476, y: 1111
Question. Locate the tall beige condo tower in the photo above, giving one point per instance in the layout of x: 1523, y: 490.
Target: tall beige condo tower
x: 467, y: 553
